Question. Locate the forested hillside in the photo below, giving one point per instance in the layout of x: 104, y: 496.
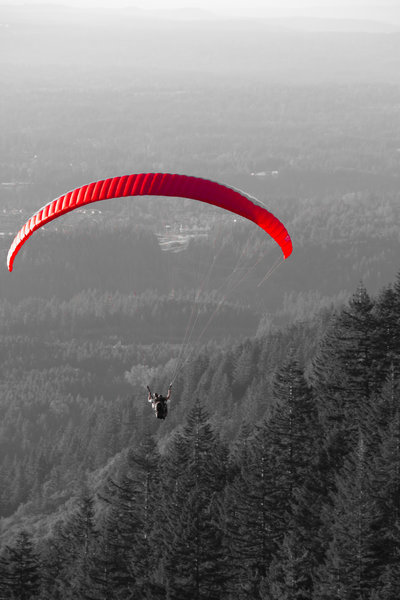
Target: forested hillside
x: 284, y: 463
x: 275, y: 475
x: 81, y: 386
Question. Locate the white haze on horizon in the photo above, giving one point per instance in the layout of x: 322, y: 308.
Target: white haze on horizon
x: 387, y: 11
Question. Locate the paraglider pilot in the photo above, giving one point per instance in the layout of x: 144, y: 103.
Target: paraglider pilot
x: 159, y: 402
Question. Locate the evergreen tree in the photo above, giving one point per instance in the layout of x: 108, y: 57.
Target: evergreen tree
x: 294, y: 428
x: 351, y: 565
x: 344, y: 379
x: 291, y: 572
x: 250, y: 510
x: 275, y: 498
x: 54, y: 558
x: 386, y: 493
x: 125, y: 545
x: 295, y: 439
x: 387, y: 333
x: 108, y: 575
x: 194, y: 553
x: 4, y: 577
x: 79, y: 539
x: 23, y: 566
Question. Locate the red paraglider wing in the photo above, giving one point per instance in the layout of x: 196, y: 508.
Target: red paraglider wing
x: 156, y: 184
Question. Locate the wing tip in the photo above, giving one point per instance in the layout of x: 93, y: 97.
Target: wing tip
x: 287, y: 247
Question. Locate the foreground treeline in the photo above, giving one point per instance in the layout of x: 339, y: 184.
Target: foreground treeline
x: 304, y: 504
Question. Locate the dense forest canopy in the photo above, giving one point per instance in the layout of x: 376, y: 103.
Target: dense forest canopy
x: 288, y: 464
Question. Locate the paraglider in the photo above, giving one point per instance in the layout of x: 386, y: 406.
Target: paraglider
x: 156, y: 184
x: 159, y: 402
x: 170, y: 185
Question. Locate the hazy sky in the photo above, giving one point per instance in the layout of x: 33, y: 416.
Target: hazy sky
x: 272, y: 7
x: 385, y: 10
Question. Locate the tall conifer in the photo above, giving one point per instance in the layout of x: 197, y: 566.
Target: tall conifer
x: 351, y: 564
x: 194, y: 554
x: 344, y: 379
x: 387, y: 333
x: 387, y: 495
x: 125, y: 544
x: 23, y: 569
x: 295, y: 437
x: 251, y: 511
x: 78, y: 537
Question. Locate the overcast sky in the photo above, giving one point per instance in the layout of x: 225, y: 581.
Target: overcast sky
x: 384, y: 10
